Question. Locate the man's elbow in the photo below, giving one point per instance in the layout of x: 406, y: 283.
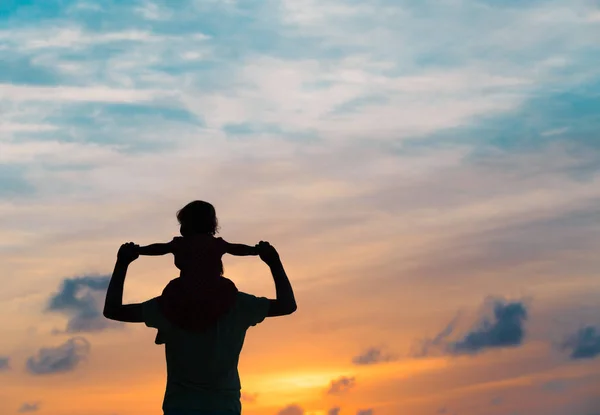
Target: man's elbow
x: 292, y: 308
x: 278, y: 308
x: 108, y: 313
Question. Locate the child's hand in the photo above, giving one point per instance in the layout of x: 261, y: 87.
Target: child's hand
x: 128, y: 252
x: 267, y: 252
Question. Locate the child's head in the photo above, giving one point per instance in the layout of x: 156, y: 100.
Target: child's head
x: 198, y: 217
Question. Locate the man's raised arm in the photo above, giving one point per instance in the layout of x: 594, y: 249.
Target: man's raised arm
x: 114, y: 308
x: 285, y: 302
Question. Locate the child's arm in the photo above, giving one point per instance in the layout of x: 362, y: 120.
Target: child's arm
x: 156, y: 249
x: 240, y: 249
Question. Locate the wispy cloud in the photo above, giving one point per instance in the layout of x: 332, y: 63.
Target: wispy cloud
x: 584, y: 344
x: 293, y: 409
x: 498, y: 400
x: 71, y: 37
x: 29, y: 407
x: 249, y: 397
x: 63, y: 358
x: 431, y: 345
x: 80, y: 94
x: 4, y: 363
x: 341, y: 385
x: 80, y: 298
x: 373, y: 355
x: 334, y: 411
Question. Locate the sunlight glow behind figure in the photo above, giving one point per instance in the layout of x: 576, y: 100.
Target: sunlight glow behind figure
x: 298, y: 381
x: 278, y: 388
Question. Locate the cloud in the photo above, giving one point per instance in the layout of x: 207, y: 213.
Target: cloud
x: 72, y: 37
x: 372, y: 356
x: 504, y: 329
x: 334, y: 411
x: 364, y: 412
x: 60, y: 359
x: 29, y: 407
x: 498, y: 400
x: 249, y: 397
x: 341, y: 385
x: 584, y: 344
x: 555, y: 385
x: 292, y: 409
x: 81, y: 299
x: 427, y: 346
x: 390, y: 94
x: 4, y: 363
x: 77, y: 94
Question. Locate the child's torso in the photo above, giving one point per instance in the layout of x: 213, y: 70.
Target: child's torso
x: 198, y: 254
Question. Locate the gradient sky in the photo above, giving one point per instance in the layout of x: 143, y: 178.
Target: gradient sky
x: 428, y: 170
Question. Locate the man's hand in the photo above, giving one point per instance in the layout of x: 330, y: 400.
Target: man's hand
x: 128, y: 253
x: 284, y: 303
x: 267, y: 253
x: 114, y: 308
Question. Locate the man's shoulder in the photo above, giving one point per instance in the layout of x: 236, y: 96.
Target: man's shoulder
x: 151, y: 313
x: 248, y: 298
x: 151, y: 303
x: 253, y: 309
x: 243, y: 295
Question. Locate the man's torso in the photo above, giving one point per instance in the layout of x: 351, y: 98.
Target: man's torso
x: 202, y: 366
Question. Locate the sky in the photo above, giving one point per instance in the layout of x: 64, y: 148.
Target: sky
x: 428, y: 170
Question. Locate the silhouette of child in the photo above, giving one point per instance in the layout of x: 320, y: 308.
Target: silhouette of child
x: 201, y: 294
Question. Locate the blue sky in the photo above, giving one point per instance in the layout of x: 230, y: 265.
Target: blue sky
x: 449, y: 147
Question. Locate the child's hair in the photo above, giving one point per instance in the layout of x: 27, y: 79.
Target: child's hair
x: 198, y: 217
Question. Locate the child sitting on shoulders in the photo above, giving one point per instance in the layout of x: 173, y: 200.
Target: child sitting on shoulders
x: 201, y: 294
x: 197, y: 251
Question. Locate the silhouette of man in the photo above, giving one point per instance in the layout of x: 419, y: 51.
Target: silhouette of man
x: 202, y: 373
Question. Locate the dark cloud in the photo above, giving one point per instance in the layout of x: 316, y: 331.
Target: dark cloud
x: 372, y: 356
x: 585, y: 344
x: 81, y: 299
x: 4, y: 363
x: 341, y: 385
x: 29, y: 407
x: 63, y: 358
x: 249, y: 397
x: 498, y: 400
x: 364, y: 412
x: 334, y: 411
x: 292, y: 409
x: 442, y: 411
x: 503, y: 329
